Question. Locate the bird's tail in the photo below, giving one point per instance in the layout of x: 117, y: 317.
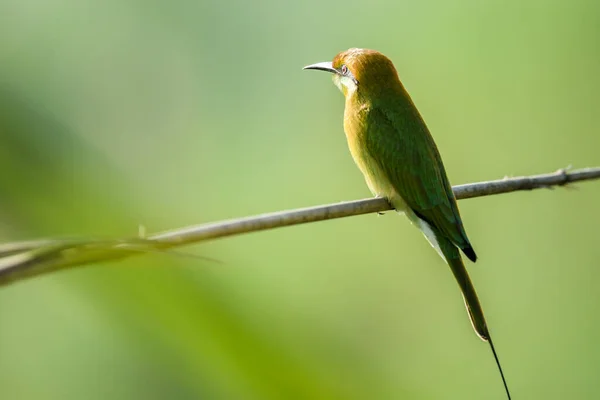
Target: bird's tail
x: 452, y: 256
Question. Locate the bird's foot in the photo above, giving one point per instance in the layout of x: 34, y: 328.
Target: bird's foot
x: 379, y: 196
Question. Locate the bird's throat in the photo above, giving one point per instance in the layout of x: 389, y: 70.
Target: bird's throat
x: 345, y: 84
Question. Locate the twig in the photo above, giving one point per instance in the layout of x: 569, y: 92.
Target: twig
x: 20, y: 260
x: 221, y: 229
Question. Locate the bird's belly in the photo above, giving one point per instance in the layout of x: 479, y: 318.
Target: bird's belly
x: 377, y: 179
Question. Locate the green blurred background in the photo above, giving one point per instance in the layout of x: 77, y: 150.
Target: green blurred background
x: 170, y: 113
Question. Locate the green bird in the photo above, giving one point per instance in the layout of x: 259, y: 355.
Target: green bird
x: 394, y: 150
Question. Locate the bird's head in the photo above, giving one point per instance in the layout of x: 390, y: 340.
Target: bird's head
x: 361, y: 71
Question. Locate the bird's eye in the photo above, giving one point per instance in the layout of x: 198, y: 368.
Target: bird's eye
x: 344, y: 69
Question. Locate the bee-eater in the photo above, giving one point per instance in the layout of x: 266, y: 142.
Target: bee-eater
x: 394, y: 150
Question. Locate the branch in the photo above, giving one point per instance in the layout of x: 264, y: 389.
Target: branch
x: 216, y: 230
x: 20, y: 260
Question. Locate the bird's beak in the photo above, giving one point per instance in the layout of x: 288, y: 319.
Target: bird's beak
x: 322, y: 66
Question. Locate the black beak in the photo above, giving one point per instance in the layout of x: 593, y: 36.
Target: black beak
x: 322, y: 66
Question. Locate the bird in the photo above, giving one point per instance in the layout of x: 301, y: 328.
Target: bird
x: 393, y: 148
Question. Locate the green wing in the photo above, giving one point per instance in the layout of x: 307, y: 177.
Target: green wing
x: 402, y: 145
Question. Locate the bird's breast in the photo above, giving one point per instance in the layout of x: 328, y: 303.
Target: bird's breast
x: 356, y: 134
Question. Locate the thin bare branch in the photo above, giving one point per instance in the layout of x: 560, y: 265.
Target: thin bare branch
x: 221, y: 229
x: 20, y: 260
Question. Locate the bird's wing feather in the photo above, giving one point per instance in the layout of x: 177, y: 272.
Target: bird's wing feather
x: 410, y: 159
